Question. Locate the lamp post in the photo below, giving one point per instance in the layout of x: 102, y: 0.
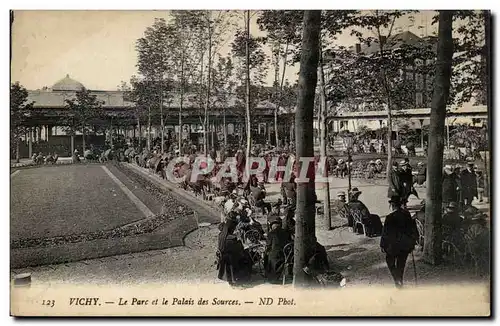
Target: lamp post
x: 349, y: 140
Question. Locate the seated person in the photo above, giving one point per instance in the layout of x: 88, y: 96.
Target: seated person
x: 452, y: 221
x: 274, y: 213
x: 76, y: 157
x: 319, y: 260
x: 339, y: 206
x: 371, y: 170
x: 274, y: 257
x: 342, y: 169
x: 317, y: 264
x: 39, y: 158
x: 421, y: 173
x: 258, y: 194
x: 246, y: 222
x: 373, y: 225
x: 49, y: 159
x: 289, y: 191
x: 252, y: 182
x: 233, y: 263
x: 88, y: 155
x: 226, y: 186
x: 288, y: 220
x: 379, y: 167
x: 332, y: 164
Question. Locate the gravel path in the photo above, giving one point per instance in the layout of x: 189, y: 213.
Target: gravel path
x: 191, y: 263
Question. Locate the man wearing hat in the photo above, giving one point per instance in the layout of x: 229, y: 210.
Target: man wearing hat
x: 450, y: 186
x: 399, y: 236
x: 356, y: 207
x: 277, y: 239
x: 421, y: 173
x: 258, y: 194
x: 342, y: 168
x: 468, y: 180
x: 339, y: 205
x: 371, y: 170
x: 394, y: 181
x: 406, y: 179
x: 379, y: 167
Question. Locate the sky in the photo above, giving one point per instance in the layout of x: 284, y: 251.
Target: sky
x: 97, y: 48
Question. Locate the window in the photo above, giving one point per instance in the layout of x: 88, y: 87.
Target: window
x: 419, y: 80
x: 418, y: 100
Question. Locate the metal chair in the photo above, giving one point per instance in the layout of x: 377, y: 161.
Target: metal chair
x: 288, y: 252
x: 357, y: 220
x: 256, y: 253
x: 251, y: 236
x: 420, y: 228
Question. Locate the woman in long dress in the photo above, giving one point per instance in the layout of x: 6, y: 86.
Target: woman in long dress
x: 234, y: 263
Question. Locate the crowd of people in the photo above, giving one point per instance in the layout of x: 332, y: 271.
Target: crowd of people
x: 40, y: 158
x: 244, y: 243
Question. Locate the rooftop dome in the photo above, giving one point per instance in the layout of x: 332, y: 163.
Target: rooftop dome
x: 67, y: 84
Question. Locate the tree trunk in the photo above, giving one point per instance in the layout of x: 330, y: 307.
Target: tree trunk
x: 389, y: 138
x: 180, y: 107
x: 322, y: 148
x: 247, y: 62
x: 305, y: 237
x: 276, y: 137
x: 433, y: 201
x: 149, y: 129
x: 487, y: 34
x: 162, y: 134
x: 140, y: 133
x: 277, y: 93
x: 17, y: 149
x: 212, y: 133
x: 225, y: 127
x: 83, y: 140
x: 285, y: 55
x: 72, y: 145
x: 205, y: 127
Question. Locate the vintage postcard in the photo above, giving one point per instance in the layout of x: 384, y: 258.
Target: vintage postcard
x: 250, y: 163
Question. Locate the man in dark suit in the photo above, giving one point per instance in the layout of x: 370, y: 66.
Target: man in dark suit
x: 274, y: 257
x: 468, y: 180
x: 450, y: 186
x: 399, y: 237
x: 394, y: 182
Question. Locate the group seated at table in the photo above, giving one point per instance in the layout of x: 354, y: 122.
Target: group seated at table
x: 237, y: 252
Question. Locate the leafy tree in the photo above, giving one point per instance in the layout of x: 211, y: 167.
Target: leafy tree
x: 83, y: 111
x: 223, y: 86
x: 283, y: 29
x: 469, y: 77
x: 468, y: 136
x: 381, y: 75
x: 251, y: 65
x: 19, y: 113
x: 188, y: 28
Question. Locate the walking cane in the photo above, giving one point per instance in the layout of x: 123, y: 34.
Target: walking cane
x: 414, y: 267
